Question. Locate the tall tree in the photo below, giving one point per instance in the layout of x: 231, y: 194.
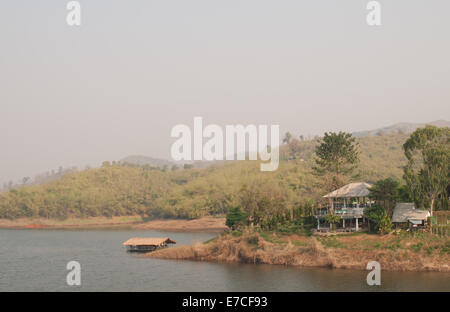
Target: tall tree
x: 387, y: 192
x: 427, y: 172
x: 235, y: 218
x: 336, y: 158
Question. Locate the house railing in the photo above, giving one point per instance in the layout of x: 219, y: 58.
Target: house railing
x: 339, y: 206
x: 345, y: 212
x: 349, y: 211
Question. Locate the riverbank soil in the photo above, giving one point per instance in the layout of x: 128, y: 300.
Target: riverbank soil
x: 394, y: 252
x: 206, y: 224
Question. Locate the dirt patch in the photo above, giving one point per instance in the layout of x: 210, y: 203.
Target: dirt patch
x: 35, y: 226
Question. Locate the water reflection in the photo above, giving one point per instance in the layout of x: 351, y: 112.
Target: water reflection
x: 35, y: 260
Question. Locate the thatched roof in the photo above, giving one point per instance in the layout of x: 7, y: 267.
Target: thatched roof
x: 404, y: 212
x: 149, y: 241
x: 359, y: 189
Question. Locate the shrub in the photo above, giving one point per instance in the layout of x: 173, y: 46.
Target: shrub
x: 380, y: 218
x: 235, y: 218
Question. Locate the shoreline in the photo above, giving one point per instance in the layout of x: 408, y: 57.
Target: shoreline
x: 350, y: 252
x: 205, y: 224
x: 424, y: 253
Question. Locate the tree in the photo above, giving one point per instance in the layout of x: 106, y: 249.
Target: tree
x: 235, y: 218
x: 294, y: 147
x: 287, y: 137
x: 333, y: 220
x: 387, y: 192
x: 264, y: 201
x: 336, y: 158
x: 427, y: 173
x: 379, y: 216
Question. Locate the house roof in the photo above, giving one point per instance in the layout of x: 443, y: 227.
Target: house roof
x: 154, y: 241
x: 359, y: 189
x: 404, y: 212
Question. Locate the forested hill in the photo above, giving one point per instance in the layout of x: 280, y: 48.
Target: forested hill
x: 130, y: 189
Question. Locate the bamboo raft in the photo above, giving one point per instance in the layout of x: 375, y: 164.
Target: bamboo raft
x: 148, y: 244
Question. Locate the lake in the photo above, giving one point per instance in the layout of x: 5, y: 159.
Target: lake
x: 35, y: 260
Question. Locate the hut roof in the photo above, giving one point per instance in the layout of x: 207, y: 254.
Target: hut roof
x: 404, y: 212
x: 149, y: 241
x: 359, y: 189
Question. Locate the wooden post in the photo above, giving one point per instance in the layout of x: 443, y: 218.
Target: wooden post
x: 356, y: 224
x: 343, y: 223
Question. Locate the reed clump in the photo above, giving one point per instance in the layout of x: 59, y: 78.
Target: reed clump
x: 393, y: 253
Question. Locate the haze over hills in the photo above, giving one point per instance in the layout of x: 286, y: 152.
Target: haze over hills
x: 116, y: 189
x: 401, y: 127
x: 398, y: 128
x: 141, y: 160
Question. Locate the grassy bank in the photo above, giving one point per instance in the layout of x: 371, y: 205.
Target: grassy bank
x: 393, y: 252
x: 209, y: 224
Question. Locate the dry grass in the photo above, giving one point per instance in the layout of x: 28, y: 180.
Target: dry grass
x: 349, y: 252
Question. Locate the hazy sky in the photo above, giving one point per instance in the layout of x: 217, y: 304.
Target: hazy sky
x: 117, y: 84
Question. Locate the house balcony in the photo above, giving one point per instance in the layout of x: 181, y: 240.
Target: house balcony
x: 349, y: 212
x: 341, y: 206
x: 343, y: 211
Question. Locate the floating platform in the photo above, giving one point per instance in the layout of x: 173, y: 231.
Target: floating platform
x: 141, y: 244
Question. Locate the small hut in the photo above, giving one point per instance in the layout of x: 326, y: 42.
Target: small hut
x: 407, y: 214
x: 147, y: 244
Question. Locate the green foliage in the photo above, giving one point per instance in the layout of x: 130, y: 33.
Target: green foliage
x: 379, y: 217
x: 427, y: 173
x: 236, y: 218
x: 333, y: 219
x: 337, y: 157
x: 236, y: 233
x: 386, y: 192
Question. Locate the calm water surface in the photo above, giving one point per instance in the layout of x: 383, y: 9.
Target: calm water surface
x: 35, y: 260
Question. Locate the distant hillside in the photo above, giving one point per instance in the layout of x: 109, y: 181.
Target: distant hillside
x: 118, y: 190
x: 401, y: 128
x: 381, y: 156
x: 140, y: 160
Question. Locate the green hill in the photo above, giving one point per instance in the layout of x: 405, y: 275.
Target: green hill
x: 119, y: 189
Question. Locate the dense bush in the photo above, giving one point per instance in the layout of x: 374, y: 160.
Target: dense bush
x: 378, y: 216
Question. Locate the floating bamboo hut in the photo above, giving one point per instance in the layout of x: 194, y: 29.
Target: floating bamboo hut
x: 147, y: 244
